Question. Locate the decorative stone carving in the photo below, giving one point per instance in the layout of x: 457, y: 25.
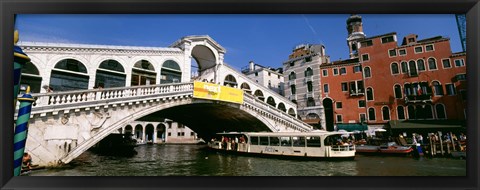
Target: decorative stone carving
x: 99, y: 118
x: 65, y: 118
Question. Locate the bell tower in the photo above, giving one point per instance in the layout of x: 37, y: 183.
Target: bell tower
x: 355, y: 34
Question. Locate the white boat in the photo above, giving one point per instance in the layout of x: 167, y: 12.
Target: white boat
x: 320, y: 145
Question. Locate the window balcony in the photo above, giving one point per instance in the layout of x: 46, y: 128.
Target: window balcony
x: 308, y: 79
x: 418, y: 98
x: 291, y: 82
x: 292, y: 97
x: 358, y: 92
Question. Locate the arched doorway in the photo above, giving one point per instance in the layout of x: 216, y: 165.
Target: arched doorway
x: 143, y: 73
x: 69, y: 74
x: 246, y: 88
x: 328, y: 107
x: 281, y: 106
x: 291, y: 112
x: 31, y: 77
x: 149, y: 129
x: 161, y: 132
x: 230, y: 81
x: 271, y: 101
x: 128, y: 130
x: 139, y: 132
x: 109, y: 74
x: 259, y: 95
x: 170, y: 73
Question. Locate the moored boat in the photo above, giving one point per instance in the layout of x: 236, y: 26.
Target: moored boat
x: 310, y: 145
x: 388, y: 148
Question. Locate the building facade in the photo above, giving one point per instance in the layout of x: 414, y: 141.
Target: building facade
x: 266, y: 76
x: 302, y: 82
x: 408, y: 86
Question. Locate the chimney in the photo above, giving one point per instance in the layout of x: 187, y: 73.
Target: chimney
x: 251, y: 66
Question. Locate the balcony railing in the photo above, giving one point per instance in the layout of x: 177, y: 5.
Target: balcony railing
x: 358, y: 92
x: 418, y: 98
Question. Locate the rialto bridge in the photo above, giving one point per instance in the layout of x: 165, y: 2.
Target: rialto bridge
x: 139, y: 84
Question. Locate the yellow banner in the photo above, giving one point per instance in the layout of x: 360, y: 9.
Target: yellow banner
x: 211, y: 91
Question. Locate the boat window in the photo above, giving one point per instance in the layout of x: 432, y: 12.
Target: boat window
x: 286, y: 141
x: 332, y: 140
x: 274, y: 141
x: 264, y: 141
x: 298, y: 141
x: 313, y: 142
x: 254, y: 140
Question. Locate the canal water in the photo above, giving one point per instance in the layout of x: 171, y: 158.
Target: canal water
x: 195, y: 160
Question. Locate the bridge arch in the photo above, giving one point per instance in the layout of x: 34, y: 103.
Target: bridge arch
x: 259, y: 94
x: 271, y: 101
x: 143, y: 73
x: 67, y: 70
x: 110, y: 73
x: 170, y: 72
x: 246, y: 88
x: 230, y: 80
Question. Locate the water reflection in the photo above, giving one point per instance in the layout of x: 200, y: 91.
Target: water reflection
x: 194, y: 160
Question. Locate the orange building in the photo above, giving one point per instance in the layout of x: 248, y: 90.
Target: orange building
x: 417, y: 86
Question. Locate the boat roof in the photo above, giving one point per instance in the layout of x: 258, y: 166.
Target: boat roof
x: 316, y: 133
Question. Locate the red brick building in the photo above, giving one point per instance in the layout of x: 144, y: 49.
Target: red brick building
x: 418, y: 85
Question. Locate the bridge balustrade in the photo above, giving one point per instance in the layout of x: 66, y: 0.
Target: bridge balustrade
x: 277, y: 112
x: 85, y: 96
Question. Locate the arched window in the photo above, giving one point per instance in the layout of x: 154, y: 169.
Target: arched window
x: 69, y: 74
x: 230, y: 81
x: 281, y: 106
x: 367, y: 72
x: 170, y: 73
x: 109, y: 74
x: 404, y: 67
x: 432, y: 64
x: 310, y: 102
x: 412, y: 68
x: 438, y: 88
x: 292, y: 76
x: 31, y: 77
x: 309, y: 86
x: 369, y: 94
x: 440, y: 110
x: 421, y: 65
x: 293, y: 89
x: 308, y: 72
x: 143, y: 73
x: 271, y: 101
x: 400, y: 113
x: 386, y: 113
x: 398, y: 91
x: 394, y: 68
x: 371, y: 114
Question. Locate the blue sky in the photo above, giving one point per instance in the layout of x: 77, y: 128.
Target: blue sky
x: 264, y: 39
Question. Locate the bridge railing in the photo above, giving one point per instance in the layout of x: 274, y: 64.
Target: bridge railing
x: 275, y: 111
x: 83, y: 96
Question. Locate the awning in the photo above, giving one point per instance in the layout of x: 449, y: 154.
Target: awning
x: 421, y: 124
x: 425, y: 126
x: 351, y: 127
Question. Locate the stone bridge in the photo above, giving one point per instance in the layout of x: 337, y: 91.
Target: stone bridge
x: 65, y: 124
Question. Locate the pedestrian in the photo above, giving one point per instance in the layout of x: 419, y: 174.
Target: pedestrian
x: 420, y: 139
